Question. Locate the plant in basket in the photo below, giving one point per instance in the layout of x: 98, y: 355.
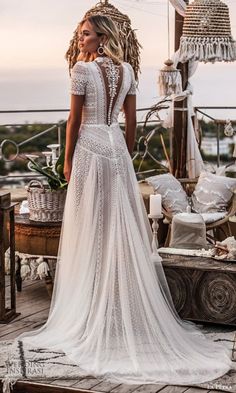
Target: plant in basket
x: 46, y: 202
x: 53, y: 173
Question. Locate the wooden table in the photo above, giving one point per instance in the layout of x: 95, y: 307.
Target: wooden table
x: 33, y: 237
x: 36, y: 238
x: 202, y: 289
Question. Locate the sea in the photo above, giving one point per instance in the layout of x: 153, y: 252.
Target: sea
x: 39, y: 89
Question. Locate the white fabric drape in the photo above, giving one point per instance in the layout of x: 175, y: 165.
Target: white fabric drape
x: 179, y: 5
x: 194, y: 161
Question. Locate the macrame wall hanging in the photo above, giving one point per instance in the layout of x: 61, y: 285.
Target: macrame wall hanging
x: 129, y: 43
x: 170, y: 81
x: 207, y: 33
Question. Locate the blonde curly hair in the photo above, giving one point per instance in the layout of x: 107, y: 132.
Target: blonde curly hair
x: 103, y: 25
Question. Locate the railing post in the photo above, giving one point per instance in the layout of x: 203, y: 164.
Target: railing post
x: 179, y: 138
x: 59, y: 137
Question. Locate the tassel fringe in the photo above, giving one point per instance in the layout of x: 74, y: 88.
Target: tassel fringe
x: 207, y: 49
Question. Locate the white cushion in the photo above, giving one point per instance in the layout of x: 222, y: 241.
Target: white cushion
x: 212, y: 193
x: 213, y: 217
x: 174, y: 198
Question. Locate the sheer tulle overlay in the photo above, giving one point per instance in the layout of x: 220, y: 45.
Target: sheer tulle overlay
x: 111, y: 310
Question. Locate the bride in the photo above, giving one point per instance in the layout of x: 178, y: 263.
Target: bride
x: 111, y: 311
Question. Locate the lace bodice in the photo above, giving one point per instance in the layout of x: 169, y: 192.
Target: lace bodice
x: 104, y: 86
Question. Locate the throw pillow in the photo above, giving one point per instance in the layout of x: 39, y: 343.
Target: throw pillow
x: 174, y: 198
x: 212, y: 193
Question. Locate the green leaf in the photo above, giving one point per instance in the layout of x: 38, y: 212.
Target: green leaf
x: 55, y: 181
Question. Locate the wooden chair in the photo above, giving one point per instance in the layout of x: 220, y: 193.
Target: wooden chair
x: 219, y: 227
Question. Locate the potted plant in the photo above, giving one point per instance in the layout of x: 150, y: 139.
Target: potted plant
x: 46, y: 202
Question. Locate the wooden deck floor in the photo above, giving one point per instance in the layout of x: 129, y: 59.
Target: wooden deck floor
x: 33, y: 304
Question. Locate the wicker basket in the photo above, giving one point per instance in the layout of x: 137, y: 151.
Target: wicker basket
x: 45, y: 205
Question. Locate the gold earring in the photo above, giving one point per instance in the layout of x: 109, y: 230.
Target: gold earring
x: 100, y: 49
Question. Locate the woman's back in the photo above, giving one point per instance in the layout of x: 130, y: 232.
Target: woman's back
x: 105, y: 86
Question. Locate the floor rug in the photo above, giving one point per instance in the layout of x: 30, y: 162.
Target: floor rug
x: 22, y: 363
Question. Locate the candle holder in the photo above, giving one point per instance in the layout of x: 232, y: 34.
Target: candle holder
x: 155, y: 245
x: 54, y: 157
x: 33, y: 157
x: 48, y: 155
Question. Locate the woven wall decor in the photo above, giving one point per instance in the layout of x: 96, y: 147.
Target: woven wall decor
x: 207, y: 33
x: 129, y: 43
x: 170, y: 80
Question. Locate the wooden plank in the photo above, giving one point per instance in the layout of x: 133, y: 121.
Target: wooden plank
x: 20, y: 324
x: 29, y: 302
x: 175, y: 389
x: 217, y: 391
x: 87, y: 383
x: 27, y: 308
x: 25, y: 283
x: 125, y: 388
x: 197, y: 390
x: 106, y: 386
x: 32, y: 326
x: 190, y: 262
x: 150, y: 388
x: 31, y: 387
x: 33, y: 303
x: 63, y: 382
x: 31, y: 294
x: 40, y: 316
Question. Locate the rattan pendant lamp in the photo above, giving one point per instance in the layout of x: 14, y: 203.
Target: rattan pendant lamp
x: 207, y: 33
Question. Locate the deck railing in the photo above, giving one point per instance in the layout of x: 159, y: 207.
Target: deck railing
x: 60, y: 125
x: 54, y: 127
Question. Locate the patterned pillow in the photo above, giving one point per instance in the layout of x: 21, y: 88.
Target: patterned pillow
x: 174, y: 198
x: 212, y: 193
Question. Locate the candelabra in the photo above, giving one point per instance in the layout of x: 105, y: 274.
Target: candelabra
x: 48, y: 155
x: 155, y: 245
x: 54, y: 158
x: 33, y: 157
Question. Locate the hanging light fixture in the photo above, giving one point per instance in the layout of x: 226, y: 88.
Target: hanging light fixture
x: 207, y: 33
x: 170, y: 80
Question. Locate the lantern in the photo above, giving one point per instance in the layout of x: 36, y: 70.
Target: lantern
x: 170, y: 81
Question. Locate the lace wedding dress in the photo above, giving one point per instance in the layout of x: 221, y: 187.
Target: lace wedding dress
x: 111, y: 311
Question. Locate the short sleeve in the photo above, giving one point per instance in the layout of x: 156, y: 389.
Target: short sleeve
x: 78, y: 79
x: 132, y: 89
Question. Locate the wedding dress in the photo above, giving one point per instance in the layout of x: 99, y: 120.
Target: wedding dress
x: 111, y: 310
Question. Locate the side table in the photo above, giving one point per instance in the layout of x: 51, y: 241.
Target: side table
x: 36, y: 238
x: 202, y: 289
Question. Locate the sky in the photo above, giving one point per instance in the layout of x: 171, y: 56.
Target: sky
x: 35, y: 35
